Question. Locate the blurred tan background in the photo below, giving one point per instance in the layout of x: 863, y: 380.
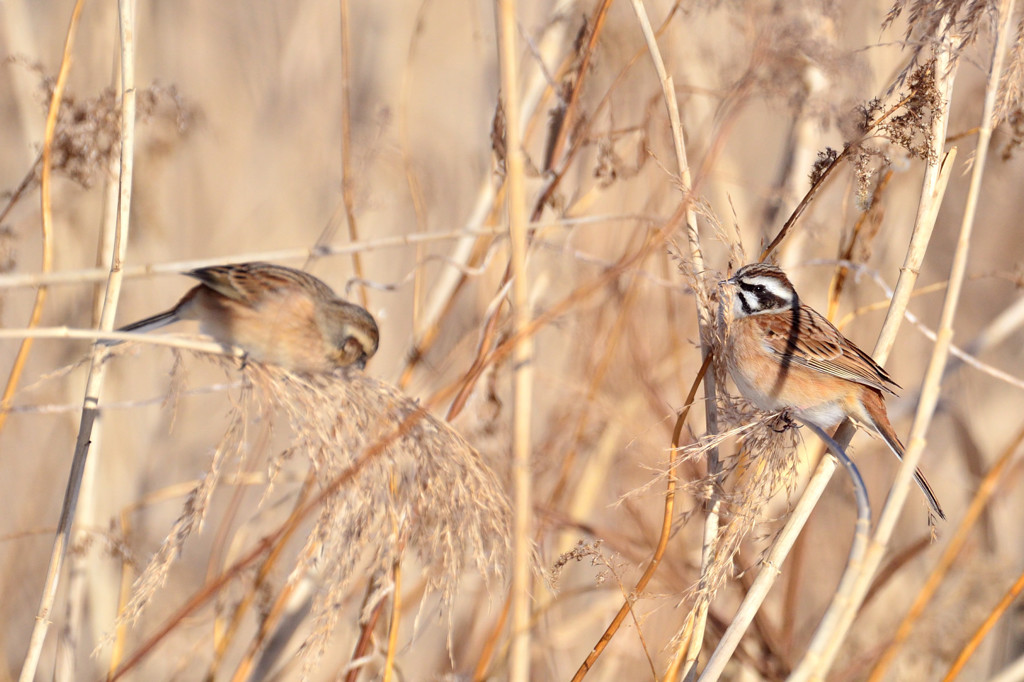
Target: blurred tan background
x: 240, y: 157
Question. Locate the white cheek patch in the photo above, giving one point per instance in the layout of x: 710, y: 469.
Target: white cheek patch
x: 746, y: 301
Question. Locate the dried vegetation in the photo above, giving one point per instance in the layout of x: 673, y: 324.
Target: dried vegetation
x: 239, y: 522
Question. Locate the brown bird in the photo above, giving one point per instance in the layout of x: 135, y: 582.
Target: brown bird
x: 277, y: 315
x: 785, y: 355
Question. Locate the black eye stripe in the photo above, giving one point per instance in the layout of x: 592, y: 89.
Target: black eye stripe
x: 766, y: 299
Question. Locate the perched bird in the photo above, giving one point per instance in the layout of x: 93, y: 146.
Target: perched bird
x: 277, y: 315
x: 783, y: 354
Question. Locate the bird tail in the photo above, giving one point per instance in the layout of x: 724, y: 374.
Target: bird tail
x: 155, y: 322
x: 885, y: 430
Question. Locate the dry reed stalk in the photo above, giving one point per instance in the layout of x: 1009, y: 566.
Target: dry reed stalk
x: 860, y: 239
x: 365, y: 635
x: 124, y: 594
x: 995, y: 332
x: 522, y: 351
x: 15, y: 280
x: 426, y: 335
x: 94, y: 382
x: 189, y: 343
x: 696, y: 259
x: 396, y: 617
x: 61, y: 541
x: 427, y: 316
x: 347, y: 177
x: 83, y: 587
x: 501, y: 144
x: 1011, y: 673
x: 46, y: 210
x: 831, y: 634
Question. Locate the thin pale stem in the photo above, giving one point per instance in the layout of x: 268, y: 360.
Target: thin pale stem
x: 25, y: 280
x: 522, y: 352
x: 347, y: 177
x: 396, y: 618
x: 94, y: 381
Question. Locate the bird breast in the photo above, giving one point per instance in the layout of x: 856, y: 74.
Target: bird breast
x: 763, y: 377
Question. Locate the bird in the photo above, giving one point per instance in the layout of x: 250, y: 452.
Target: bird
x: 276, y: 315
x: 784, y: 355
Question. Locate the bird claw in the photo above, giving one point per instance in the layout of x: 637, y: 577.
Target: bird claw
x: 784, y: 421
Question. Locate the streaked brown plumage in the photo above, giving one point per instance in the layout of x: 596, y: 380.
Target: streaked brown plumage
x: 277, y: 315
x: 783, y: 354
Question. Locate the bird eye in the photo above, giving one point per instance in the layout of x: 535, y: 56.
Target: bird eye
x: 352, y: 352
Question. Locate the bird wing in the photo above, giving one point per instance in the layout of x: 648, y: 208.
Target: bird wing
x: 804, y: 337
x: 250, y: 283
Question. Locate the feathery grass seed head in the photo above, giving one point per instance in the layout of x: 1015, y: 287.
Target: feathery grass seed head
x: 410, y: 485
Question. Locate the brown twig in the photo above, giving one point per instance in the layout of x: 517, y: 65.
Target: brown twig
x: 487, y: 653
x: 568, y: 121
x: 823, y: 177
x: 666, y: 531
x: 365, y: 635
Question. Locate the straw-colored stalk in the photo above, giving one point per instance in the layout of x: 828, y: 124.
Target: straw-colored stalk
x: 94, y: 381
